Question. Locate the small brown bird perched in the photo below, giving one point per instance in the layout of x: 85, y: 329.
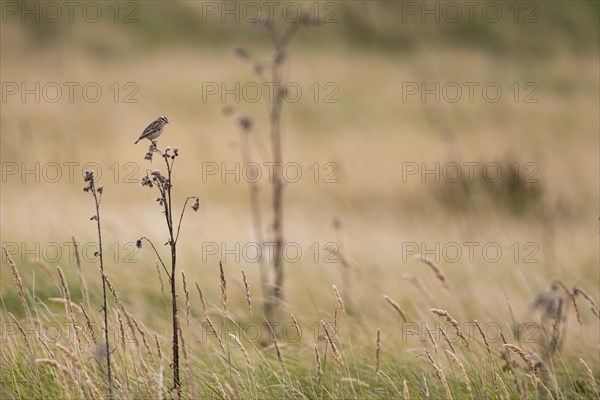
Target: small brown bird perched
x: 153, y: 130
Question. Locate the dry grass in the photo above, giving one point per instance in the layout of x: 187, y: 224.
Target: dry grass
x: 202, y: 302
x: 396, y: 307
x: 459, y: 331
x: 440, y: 374
x: 590, y: 300
x: 223, y: 287
x: 377, y: 351
x: 319, y: 369
x: 439, y: 274
x: 17, y: 278
x: 590, y: 375
x: 338, y: 298
x: 248, y: 295
x: 526, y: 357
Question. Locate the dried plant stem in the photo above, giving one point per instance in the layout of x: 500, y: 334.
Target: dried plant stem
x: 160, y: 279
x: 237, y: 341
x: 346, y: 265
x: 68, y: 304
x: 444, y: 314
x: 510, y: 364
x: 502, y: 385
x: 334, y: 350
x: 590, y: 375
x: 440, y: 374
x: 431, y: 338
x: 278, y: 352
x: 280, y: 43
x: 96, y: 192
x: 16, y: 277
x: 175, y: 319
x: 214, y: 331
x: 121, y: 328
x: 377, y: 351
x: 88, y: 322
x: 274, y: 294
x: 201, y: 297
x: 445, y: 335
x: 571, y: 295
x: 187, y: 299
x: 275, y: 122
x: 161, y: 374
x: 439, y: 274
x: 396, y: 307
x: 593, y: 306
x: 223, y: 287
x: 164, y: 184
x: 340, y: 301
x: 487, y: 345
x: 247, y: 291
x: 318, y: 366
x: 111, y: 288
x: 390, y: 382
x: 16, y: 322
x: 297, y: 326
x: 139, y: 329
x: 220, y: 387
x: 524, y: 356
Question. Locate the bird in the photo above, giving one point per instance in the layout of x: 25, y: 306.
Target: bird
x: 153, y: 130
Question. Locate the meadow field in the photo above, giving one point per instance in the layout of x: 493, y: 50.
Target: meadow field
x: 439, y: 213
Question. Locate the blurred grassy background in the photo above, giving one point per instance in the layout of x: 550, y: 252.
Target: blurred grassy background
x: 170, y: 52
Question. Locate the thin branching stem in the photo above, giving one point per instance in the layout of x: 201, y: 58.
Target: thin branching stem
x: 157, y: 255
x: 164, y: 185
x: 97, y: 193
x: 181, y: 217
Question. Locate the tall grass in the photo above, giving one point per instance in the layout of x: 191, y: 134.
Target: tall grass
x: 337, y: 362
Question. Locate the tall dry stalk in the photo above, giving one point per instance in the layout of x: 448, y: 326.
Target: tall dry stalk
x: 396, y: 307
x: 246, y: 125
x: 318, y: 367
x: 273, y: 292
x: 96, y: 192
x: 593, y: 306
x: 439, y: 274
x: 377, y: 351
x: 223, y: 282
x: 164, y: 185
x: 247, y: 292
